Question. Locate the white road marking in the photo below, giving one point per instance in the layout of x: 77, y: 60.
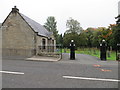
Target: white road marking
x: 95, y: 79
x: 9, y: 72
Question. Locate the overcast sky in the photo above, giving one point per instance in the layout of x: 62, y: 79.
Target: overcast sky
x: 90, y: 13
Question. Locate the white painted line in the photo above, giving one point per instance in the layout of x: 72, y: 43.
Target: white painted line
x: 9, y: 72
x: 95, y: 79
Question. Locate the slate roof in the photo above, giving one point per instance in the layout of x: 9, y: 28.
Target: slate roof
x: 36, y: 26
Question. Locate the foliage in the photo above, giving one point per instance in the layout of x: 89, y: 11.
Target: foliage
x: 116, y: 34
x: 82, y: 39
x: 89, y: 34
x: 60, y: 39
x: 70, y: 36
x: 72, y: 33
x: 51, y: 26
x: 73, y: 26
x: 114, y: 38
x: 91, y: 37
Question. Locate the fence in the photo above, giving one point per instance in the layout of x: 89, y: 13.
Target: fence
x: 50, y: 50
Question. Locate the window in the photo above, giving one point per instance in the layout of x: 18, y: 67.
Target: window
x: 43, y: 43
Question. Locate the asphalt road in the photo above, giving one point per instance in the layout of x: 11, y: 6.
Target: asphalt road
x: 90, y: 73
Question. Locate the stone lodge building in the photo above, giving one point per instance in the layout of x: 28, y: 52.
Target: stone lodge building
x: 22, y: 36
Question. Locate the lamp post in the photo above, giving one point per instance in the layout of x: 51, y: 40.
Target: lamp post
x: 72, y: 50
x: 103, y: 49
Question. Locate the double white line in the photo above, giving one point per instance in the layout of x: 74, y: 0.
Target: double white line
x: 9, y: 72
x: 95, y: 79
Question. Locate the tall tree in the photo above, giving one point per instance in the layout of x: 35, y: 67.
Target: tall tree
x: 72, y: 32
x: 73, y: 26
x: 60, y: 39
x: 51, y: 25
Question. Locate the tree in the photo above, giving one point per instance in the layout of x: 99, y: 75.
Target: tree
x: 72, y: 33
x: 51, y: 26
x: 95, y: 40
x: 82, y: 39
x: 89, y: 34
x: 70, y: 36
x: 116, y: 34
x: 60, y: 39
x: 73, y: 26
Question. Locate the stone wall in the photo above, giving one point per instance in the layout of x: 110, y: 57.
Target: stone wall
x: 17, y: 37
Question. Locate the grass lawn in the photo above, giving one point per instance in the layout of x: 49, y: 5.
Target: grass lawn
x: 93, y: 52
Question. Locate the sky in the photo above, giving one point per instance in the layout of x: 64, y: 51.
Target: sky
x: 89, y: 13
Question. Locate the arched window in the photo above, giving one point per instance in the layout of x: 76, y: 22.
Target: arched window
x: 53, y: 42
x: 52, y: 45
x: 43, y: 43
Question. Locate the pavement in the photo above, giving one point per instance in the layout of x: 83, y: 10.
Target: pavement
x: 43, y: 58
x: 33, y: 58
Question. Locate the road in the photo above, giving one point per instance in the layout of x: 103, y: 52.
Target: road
x: 84, y: 72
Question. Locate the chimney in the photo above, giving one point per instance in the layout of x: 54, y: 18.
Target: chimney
x: 14, y: 10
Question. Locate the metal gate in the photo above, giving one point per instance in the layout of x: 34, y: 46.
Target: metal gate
x: 50, y: 50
